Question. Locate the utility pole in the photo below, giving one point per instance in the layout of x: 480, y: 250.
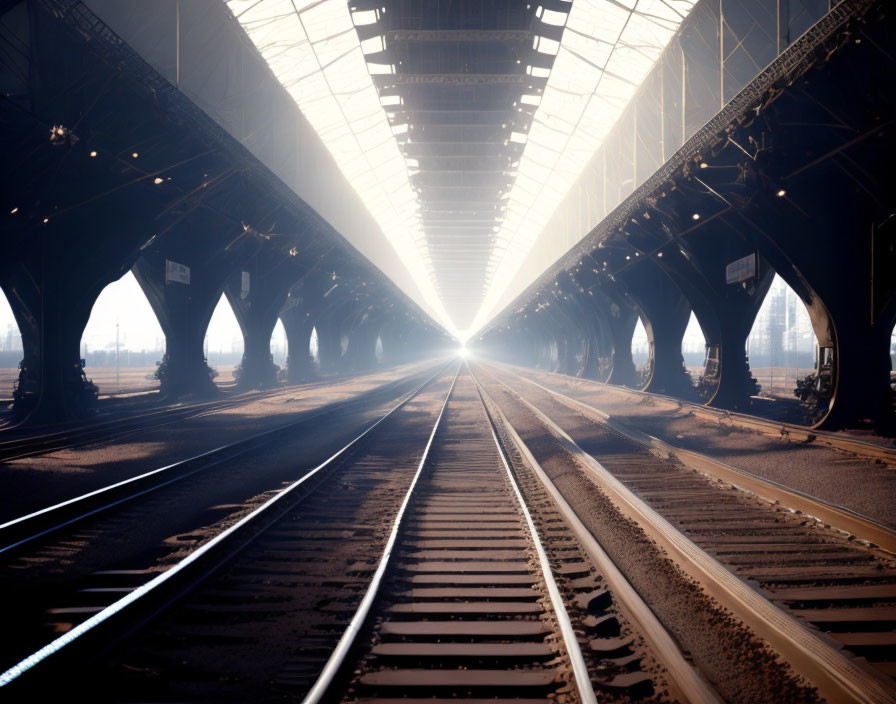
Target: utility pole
x: 771, y: 358
x: 796, y: 341
x: 117, y: 367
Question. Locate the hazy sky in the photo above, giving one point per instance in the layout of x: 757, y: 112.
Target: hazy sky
x: 693, y: 340
x: 123, y: 302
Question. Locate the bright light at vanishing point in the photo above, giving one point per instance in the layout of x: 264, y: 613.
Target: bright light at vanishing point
x: 463, y: 351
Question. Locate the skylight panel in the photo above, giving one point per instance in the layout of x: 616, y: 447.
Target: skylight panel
x: 544, y: 45
x: 558, y: 19
x: 373, y: 45
x: 606, y: 50
x: 314, y: 51
x: 365, y: 17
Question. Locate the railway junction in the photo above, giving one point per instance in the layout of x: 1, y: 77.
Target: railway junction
x: 585, y: 312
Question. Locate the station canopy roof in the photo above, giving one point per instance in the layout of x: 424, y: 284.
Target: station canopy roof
x: 461, y: 125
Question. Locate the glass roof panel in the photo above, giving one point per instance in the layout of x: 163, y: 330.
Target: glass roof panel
x: 314, y: 50
x: 607, y: 49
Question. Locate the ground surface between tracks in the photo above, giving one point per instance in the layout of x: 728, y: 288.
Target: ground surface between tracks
x: 835, y: 476
x: 32, y: 483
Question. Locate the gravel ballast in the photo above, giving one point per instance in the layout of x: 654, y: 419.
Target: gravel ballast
x: 32, y: 483
x: 738, y: 663
x: 835, y: 476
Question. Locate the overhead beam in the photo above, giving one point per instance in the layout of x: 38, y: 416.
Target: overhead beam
x: 482, y: 79
x: 459, y: 35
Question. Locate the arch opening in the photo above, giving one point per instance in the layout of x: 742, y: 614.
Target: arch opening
x: 782, y: 352
x: 224, y: 343
x: 279, y: 345
x: 314, y: 348
x: 577, y: 355
x: 642, y: 353
x: 122, y: 343
x: 11, y: 351
x: 551, y: 355
x: 893, y: 364
x: 693, y: 350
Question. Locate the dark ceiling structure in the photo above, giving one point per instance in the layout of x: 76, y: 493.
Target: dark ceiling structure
x: 107, y: 168
x: 791, y: 178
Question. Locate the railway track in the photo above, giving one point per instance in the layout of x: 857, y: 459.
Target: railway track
x: 474, y: 603
x: 743, y: 421
x: 113, y: 428
x: 822, y: 578
x: 47, y: 521
x: 73, y: 561
x: 418, y: 538
x: 104, y: 430
x: 434, y: 558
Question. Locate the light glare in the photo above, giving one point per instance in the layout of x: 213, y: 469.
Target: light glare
x: 317, y: 56
x: 599, y: 66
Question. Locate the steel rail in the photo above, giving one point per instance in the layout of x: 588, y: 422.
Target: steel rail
x: 840, y: 679
x: 337, y: 657
x: 67, y: 436
x: 58, y: 515
x: 577, y: 660
x: 839, y: 517
x: 219, y: 542
x: 774, y: 428
x: 80, y: 434
x: 689, y: 682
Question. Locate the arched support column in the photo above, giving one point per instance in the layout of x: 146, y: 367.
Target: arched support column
x: 618, y: 318
x: 728, y: 346
x: 51, y: 313
x: 361, y: 352
x: 695, y: 269
x: 257, y: 369
x: 546, y: 351
x: 666, y: 313
x: 622, y: 328
x: 257, y: 310
x: 862, y: 375
x: 298, y: 323
x: 665, y: 324
x: 329, y: 345
x: 184, y: 312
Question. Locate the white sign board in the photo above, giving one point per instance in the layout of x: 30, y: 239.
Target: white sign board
x: 176, y: 272
x: 244, y: 289
x: 742, y: 269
